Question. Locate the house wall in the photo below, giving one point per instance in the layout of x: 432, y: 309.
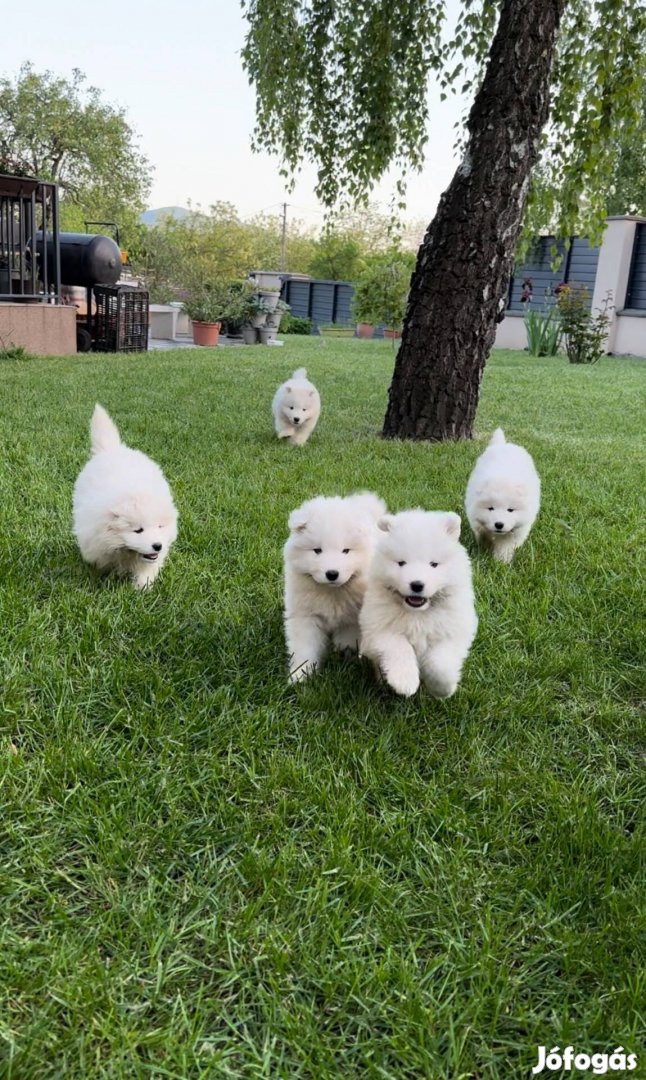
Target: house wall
x: 617, y: 268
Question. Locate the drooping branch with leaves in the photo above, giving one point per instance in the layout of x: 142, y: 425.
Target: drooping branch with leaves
x: 344, y: 84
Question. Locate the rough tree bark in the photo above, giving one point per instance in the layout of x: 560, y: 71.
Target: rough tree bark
x: 465, y: 261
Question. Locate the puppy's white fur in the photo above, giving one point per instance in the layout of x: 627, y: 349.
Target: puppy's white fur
x: 418, y: 617
x: 296, y: 408
x: 503, y: 497
x: 328, y: 537
x: 124, y: 516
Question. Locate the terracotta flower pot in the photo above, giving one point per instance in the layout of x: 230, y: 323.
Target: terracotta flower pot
x: 365, y: 330
x: 206, y: 333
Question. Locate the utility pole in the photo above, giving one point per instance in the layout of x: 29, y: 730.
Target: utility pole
x: 283, y: 240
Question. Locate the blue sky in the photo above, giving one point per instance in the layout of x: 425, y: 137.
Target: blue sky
x: 176, y: 69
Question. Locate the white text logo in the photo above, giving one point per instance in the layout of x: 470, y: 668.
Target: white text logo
x: 571, y: 1059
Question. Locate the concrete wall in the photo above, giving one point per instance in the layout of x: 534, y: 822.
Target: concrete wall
x: 511, y: 333
x: 630, y: 335
x: 42, y: 329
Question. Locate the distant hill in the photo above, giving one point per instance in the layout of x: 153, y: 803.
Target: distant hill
x: 151, y: 217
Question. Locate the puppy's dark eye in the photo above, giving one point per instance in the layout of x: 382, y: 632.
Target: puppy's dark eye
x: 434, y: 565
x: 138, y: 530
x: 317, y: 551
x: 291, y: 408
x: 510, y: 510
x: 402, y: 563
x: 491, y: 508
x: 346, y: 551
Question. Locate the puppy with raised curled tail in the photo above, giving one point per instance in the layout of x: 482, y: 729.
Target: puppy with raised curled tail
x: 296, y: 408
x: 503, y: 497
x: 327, y: 557
x: 124, y: 516
x: 418, y: 618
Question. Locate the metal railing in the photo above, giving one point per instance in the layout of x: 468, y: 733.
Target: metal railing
x: 30, y: 262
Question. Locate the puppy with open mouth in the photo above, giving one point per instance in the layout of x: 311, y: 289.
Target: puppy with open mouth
x: 124, y: 516
x: 418, y: 618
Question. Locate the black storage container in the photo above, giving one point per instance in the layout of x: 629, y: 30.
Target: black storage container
x: 86, y: 259
x: 120, y: 323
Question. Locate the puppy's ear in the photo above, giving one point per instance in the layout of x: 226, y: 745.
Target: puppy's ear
x: 452, y: 525
x: 311, y: 393
x: 520, y: 490
x: 298, y: 520
x: 385, y: 523
x: 288, y: 388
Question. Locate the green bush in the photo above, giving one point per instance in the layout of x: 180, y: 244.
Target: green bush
x: 381, y: 292
x: 584, y: 333
x: 295, y: 324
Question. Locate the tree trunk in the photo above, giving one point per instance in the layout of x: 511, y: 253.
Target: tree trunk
x: 465, y: 261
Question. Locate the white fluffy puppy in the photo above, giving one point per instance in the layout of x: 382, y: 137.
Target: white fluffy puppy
x: 326, y: 562
x: 418, y: 616
x: 503, y: 497
x: 124, y: 517
x: 296, y: 408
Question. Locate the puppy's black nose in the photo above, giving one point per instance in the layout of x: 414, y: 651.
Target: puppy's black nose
x: 297, y: 419
x: 417, y: 586
x: 498, y: 525
x: 157, y: 547
x: 331, y: 575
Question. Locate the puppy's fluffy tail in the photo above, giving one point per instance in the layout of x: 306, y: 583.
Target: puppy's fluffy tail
x: 497, y: 437
x: 104, y: 434
x: 300, y: 373
x: 366, y: 502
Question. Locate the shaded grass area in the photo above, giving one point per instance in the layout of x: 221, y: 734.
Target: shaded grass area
x: 207, y: 873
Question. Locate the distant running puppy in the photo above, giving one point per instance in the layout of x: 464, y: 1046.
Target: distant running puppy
x: 124, y: 517
x: 503, y: 497
x: 296, y: 408
x: 418, y: 617
x: 326, y: 562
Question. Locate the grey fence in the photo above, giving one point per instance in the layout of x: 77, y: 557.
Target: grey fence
x: 577, y: 266
x: 321, y: 301
x: 327, y: 302
x: 636, y: 293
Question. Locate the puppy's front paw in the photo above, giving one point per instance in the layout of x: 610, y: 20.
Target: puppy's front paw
x: 402, y: 682
x: 143, y: 581
x: 346, y: 640
x: 442, y: 688
x: 303, y: 672
x: 503, y: 553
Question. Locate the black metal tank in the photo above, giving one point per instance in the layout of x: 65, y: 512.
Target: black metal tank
x: 86, y: 259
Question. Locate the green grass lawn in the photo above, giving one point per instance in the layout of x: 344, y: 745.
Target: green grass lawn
x: 207, y: 873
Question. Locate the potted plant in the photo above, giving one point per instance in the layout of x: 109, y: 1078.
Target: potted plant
x: 381, y: 294
x: 270, y: 295
x: 254, y: 316
x: 206, y: 307
x: 274, y: 317
x: 363, y: 307
x: 237, y: 299
x: 257, y: 312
